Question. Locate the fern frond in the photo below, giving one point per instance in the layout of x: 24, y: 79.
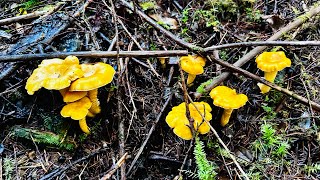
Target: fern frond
x: 205, y: 168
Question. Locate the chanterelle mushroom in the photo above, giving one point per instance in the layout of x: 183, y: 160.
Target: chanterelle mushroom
x: 193, y: 65
x: 227, y: 99
x: 271, y: 63
x: 95, y: 76
x: 178, y: 120
x: 78, y: 111
x: 54, y: 74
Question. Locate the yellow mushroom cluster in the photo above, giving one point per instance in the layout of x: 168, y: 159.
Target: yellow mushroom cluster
x: 77, y: 83
x: 178, y: 120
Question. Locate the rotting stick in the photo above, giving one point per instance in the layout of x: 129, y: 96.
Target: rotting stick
x: 93, y: 54
x: 304, y: 100
x: 254, y: 52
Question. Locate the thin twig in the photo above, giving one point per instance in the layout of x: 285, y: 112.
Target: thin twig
x: 93, y: 54
x: 160, y: 28
x: 304, y: 100
x: 116, y: 166
x: 149, y: 134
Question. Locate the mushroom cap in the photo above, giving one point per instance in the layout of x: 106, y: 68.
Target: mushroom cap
x: 227, y: 98
x: 178, y: 120
x: 77, y: 110
x: 193, y: 64
x: 54, y: 74
x: 272, y: 61
x: 72, y: 96
x: 95, y: 76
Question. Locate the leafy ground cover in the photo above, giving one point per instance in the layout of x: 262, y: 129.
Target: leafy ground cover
x: 274, y: 136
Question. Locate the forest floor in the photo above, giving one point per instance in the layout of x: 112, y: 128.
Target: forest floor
x: 273, y: 136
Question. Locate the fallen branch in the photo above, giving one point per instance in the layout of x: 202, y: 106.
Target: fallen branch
x: 263, y: 43
x: 254, y: 52
x: 93, y: 54
x: 304, y: 100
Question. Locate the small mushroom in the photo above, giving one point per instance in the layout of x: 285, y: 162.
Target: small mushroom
x: 271, y: 63
x: 193, y: 65
x: 163, y: 61
x: 227, y: 99
x: 178, y: 120
x: 54, y: 74
x: 95, y: 76
x: 78, y: 111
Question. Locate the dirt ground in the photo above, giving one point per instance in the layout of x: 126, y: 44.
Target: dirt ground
x: 273, y: 136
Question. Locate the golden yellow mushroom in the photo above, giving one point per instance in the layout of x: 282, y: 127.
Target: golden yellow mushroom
x: 54, y: 74
x: 193, y: 65
x: 95, y: 76
x: 227, y: 99
x: 271, y: 63
x: 78, y: 111
x: 178, y: 120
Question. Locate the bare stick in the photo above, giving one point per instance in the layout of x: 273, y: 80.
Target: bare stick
x: 254, y: 52
x: 263, y: 43
x: 94, y: 54
x: 305, y: 101
x: 113, y: 169
x: 149, y: 134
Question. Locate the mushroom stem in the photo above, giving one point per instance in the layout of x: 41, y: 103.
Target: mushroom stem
x: 93, y: 96
x: 269, y: 76
x: 83, y: 125
x: 225, y: 116
x: 163, y: 62
x: 190, y: 79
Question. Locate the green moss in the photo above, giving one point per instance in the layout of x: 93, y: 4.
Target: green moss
x: 201, y: 88
x: 44, y: 138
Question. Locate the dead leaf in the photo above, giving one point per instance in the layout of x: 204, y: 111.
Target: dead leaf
x: 275, y: 21
x: 172, y: 23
